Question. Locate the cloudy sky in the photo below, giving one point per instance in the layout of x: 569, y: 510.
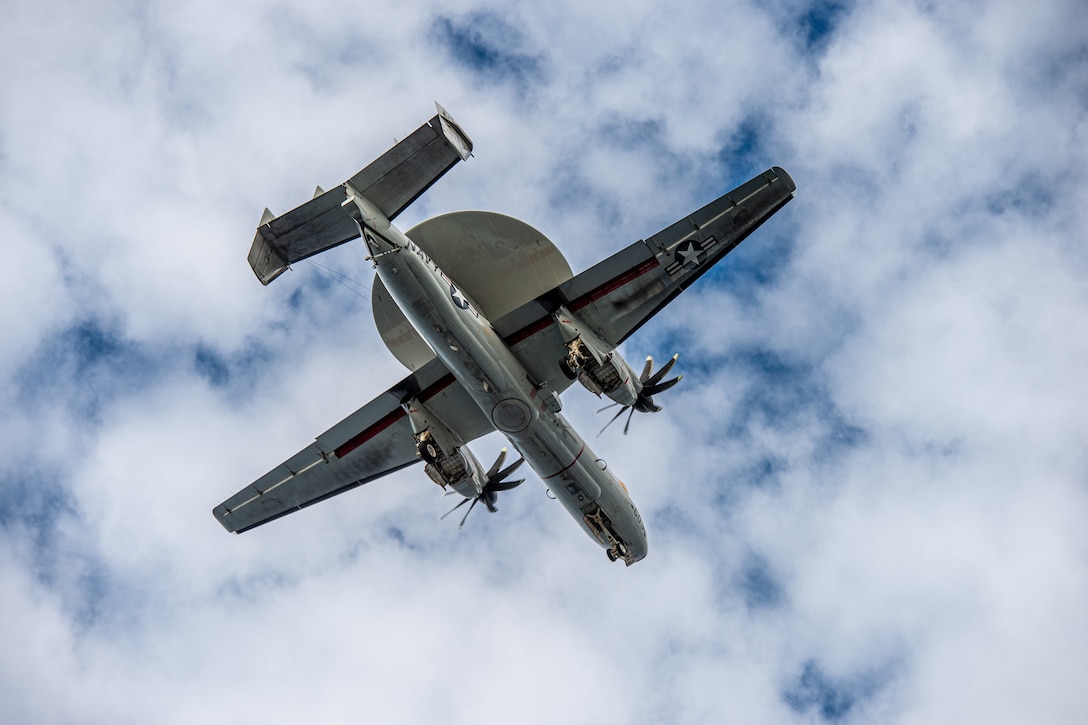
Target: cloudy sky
x: 865, y: 502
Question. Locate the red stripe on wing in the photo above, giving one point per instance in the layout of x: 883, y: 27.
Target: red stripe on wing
x: 390, y: 418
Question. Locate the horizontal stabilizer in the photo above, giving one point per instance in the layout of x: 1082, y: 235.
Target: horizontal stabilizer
x: 390, y: 183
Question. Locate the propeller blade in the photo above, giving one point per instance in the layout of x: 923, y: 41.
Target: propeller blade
x: 494, y: 485
x: 646, y: 369
x: 617, y: 415
x: 507, y: 471
x: 652, y: 390
x: 651, y: 385
x: 601, y: 410
x: 474, y: 501
x: 497, y: 464
x: 505, y: 485
x: 662, y: 372
x: 453, y: 509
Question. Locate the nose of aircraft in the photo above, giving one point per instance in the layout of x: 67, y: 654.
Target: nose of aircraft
x: 637, y: 549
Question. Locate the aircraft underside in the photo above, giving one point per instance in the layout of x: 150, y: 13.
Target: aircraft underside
x: 492, y: 324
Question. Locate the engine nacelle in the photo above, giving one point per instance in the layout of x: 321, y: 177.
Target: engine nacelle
x: 596, y: 365
x: 448, y: 461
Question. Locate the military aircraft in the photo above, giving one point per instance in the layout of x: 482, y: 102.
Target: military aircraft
x: 486, y: 314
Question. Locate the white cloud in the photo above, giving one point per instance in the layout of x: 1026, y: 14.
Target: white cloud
x: 881, y: 421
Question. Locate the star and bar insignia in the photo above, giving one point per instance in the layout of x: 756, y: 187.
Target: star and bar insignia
x: 689, y: 254
x: 458, y: 298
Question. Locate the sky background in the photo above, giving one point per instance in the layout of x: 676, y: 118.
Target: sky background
x: 866, y: 501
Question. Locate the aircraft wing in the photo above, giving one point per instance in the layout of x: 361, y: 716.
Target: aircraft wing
x: 390, y: 183
x: 370, y: 443
x: 617, y: 296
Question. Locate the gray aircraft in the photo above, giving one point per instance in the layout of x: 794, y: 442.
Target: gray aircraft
x: 486, y: 314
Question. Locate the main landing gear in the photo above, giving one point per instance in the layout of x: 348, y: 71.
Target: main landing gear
x: 428, y: 450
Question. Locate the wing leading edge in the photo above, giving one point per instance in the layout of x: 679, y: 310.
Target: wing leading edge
x: 371, y: 442
x: 617, y: 296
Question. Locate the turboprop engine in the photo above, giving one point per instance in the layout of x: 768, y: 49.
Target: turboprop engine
x: 602, y: 370
x: 451, y: 464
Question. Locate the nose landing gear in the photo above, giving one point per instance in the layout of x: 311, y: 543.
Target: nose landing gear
x: 616, y: 552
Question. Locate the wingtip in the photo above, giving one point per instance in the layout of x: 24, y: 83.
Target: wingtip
x: 454, y: 133
x: 781, y: 173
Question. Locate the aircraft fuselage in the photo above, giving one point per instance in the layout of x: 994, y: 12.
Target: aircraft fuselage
x: 528, y: 415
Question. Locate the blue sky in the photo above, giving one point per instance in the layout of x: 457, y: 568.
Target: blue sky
x: 865, y: 501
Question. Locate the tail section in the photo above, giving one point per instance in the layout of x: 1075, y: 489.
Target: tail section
x: 390, y: 183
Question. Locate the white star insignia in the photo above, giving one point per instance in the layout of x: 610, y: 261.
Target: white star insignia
x: 458, y: 298
x: 688, y: 254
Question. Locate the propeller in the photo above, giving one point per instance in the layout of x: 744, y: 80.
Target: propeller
x: 651, y: 385
x: 495, y: 484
